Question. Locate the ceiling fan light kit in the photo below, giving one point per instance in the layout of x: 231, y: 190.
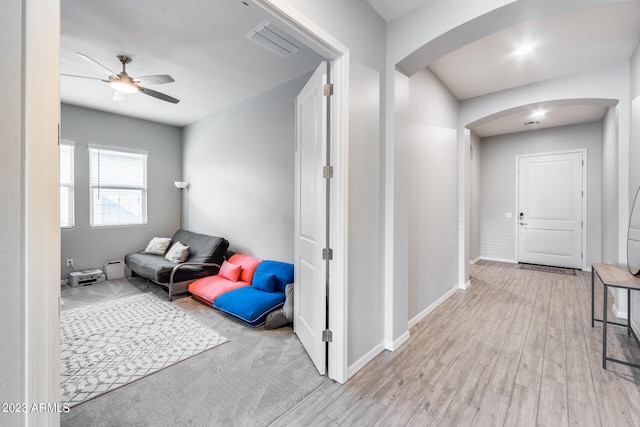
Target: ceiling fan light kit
x: 123, y: 84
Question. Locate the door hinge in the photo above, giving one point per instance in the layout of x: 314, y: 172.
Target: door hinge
x: 327, y: 172
x: 581, y: 255
x: 327, y: 335
x: 327, y: 90
x: 327, y: 254
x: 582, y: 224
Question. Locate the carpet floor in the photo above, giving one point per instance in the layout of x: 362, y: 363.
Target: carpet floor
x: 106, y: 345
x: 249, y: 381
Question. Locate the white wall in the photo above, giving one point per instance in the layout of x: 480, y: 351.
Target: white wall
x: 358, y: 27
x: 29, y: 229
x: 12, y: 310
x: 497, y: 178
x: 474, y: 223
x: 91, y: 247
x: 610, y: 187
x: 634, y: 158
x: 431, y: 176
x: 365, y: 302
x: 439, y: 27
x: 240, y: 165
x: 605, y: 84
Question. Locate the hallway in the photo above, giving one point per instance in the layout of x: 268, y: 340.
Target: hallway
x: 515, y: 349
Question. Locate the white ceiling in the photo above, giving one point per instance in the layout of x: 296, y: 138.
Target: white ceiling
x: 566, y: 44
x: 201, y: 44
x: 204, y: 48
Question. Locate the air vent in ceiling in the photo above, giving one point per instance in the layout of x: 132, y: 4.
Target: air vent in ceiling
x: 275, y: 39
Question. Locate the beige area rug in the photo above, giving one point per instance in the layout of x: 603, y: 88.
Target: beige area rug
x: 107, y: 345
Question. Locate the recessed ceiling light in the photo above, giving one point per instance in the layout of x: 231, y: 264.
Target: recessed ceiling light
x: 523, y: 50
x: 538, y: 113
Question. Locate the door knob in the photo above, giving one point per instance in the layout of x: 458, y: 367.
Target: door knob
x: 523, y: 223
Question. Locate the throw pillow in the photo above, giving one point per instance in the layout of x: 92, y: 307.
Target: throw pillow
x: 275, y: 320
x: 287, y: 308
x: 177, y: 253
x: 264, y: 281
x: 158, y: 246
x: 230, y: 271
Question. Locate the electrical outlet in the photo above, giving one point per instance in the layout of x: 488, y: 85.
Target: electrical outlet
x: 70, y: 263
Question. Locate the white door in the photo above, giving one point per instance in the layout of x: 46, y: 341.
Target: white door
x: 550, y: 209
x: 310, y: 306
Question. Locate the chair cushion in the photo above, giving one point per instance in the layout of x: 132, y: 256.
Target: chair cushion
x: 202, y: 248
x: 178, y: 253
x: 230, y: 271
x: 158, y: 246
x: 264, y: 281
x: 208, y: 289
x: 282, y: 270
x: 248, y: 264
x: 250, y: 304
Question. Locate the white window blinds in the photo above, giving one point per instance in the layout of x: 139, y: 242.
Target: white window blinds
x: 118, y: 181
x: 66, y: 185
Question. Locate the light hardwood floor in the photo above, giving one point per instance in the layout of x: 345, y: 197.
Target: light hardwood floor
x: 515, y: 349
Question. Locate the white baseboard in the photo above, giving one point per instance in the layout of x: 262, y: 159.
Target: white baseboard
x: 635, y: 328
x: 510, y: 261
x: 619, y: 313
x: 475, y: 260
x: 362, y: 362
x: 395, y: 344
x: 464, y: 286
x: 432, y: 307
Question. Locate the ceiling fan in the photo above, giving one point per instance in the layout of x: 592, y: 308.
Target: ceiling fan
x: 122, y: 84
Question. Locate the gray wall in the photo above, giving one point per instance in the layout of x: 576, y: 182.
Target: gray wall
x: 497, y: 181
x: 365, y: 217
x: 91, y: 247
x: 610, y: 186
x: 12, y: 358
x: 431, y: 178
x: 634, y: 158
x: 366, y: 43
x: 240, y: 166
x: 474, y: 223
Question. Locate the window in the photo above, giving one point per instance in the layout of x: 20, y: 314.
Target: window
x: 118, y: 187
x: 66, y: 185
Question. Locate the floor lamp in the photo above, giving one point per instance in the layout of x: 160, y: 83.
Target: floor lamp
x: 181, y: 185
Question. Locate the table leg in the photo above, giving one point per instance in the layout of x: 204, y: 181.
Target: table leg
x: 628, y: 311
x: 604, y: 326
x: 592, y: 298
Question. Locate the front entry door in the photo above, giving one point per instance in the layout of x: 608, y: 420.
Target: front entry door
x: 550, y: 209
x: 310, y: 306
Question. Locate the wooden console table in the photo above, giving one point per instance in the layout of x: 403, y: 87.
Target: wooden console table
x: 613, y: 276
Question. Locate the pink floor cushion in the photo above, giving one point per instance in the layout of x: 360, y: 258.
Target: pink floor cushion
x: 208, y: 289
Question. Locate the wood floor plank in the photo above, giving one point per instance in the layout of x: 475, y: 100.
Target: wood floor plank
x: 530, y: 371
x: 515, y: 348
x: 523, y: 407
x: 553, y: 409
x: 583, y: 415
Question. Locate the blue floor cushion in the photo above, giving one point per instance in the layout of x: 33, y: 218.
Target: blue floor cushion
x: 250, y: 304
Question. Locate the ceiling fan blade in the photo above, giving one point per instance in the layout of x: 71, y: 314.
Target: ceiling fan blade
x: 158, y: 95
x: 154, y: 80
x: 111, y: 73
x: 118, y: 96
x: 84, y: 77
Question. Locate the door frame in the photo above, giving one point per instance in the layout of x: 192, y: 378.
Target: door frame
x: 585, y: 191
x: 337, y: 55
